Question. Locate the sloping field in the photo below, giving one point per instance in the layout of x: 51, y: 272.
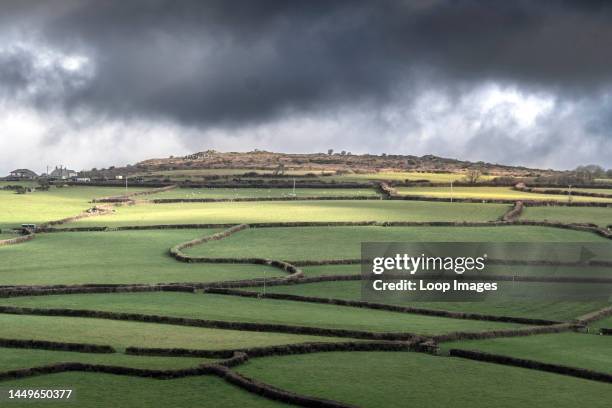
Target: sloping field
x: 599, y: 216
x: 344, y: 242
x: 219, y: 307
x: 112, y: 257
x: 107, y: 390
x: 383, y: 210
x: 571, y: 349
x: 122, y: 334
x: 489, y: 193
x: 402, y: 379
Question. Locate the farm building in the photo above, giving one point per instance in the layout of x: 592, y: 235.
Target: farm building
x: 62, y: 173
x: 23, y: 174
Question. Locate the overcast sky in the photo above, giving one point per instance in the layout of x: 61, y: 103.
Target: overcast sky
x: 98, y: 83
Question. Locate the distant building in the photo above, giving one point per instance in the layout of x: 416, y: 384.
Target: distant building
x: 82, y: 179
x: 62, y: 173
x: 118, y: 177
x: 23, y: 174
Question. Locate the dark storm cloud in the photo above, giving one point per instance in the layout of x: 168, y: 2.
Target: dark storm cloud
x: 221, y: 61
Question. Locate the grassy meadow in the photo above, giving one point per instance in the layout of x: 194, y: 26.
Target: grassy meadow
x: 367, y: 379
x: 375, y: 379
x: 491, y: 193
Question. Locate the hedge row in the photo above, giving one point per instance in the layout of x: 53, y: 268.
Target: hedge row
x: 91, y: 212
x: 106, y: 369
x: 12, y: 241
x: 594, y: 316
x: 179, y: 255
x: 215, y: 324
x: 273, y: 393
x: 490, y: 334
x: 58, y: 346
x: 382, y: 306
x: 514, y: 213
x: 283, y: 350
x: 605, y: 331
x: 532, y: 364
x: 127, y: 197
x: 250, y: 199
x: 18, y: 291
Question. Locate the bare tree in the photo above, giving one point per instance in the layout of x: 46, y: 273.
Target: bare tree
x: 473, y: 176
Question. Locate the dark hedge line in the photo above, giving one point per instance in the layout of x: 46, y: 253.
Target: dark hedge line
x: 215, y: 324
x: 532, y: 364
x: 605, y: 331
x: 251, y: 199
x: 282, y: 350
x: 383, y: 306
x: 527, y: 331
x: 281, y: 184
x: 57, y: 346
x: 106, y: 369
x: 273, y: 393
x: 19, y: 291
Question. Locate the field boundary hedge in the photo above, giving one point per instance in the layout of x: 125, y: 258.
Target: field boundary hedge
x: 28, y: 236
x: 56, y: 346
x: 255, y: 199
x: 491, y: 334
x: 129, y: 196
x: 179, y: 255
x: 533, y: 365
x: 594, y: 316
x: 90, y: 212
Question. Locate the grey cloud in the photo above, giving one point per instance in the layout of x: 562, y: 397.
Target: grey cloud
x: 234, y: 63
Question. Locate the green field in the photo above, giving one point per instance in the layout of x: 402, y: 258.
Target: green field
x: 403, y: 379
x: 304, y: 243
x: 351, y: 290
x: 580, y: 190
x: 106, y: 390
x: 42, y: 206
x: 220, y: 307
x: 490, y: 193
x: 13, y: 359
x: 121, y: 334
x: 383, y: 210
x: 407, y: 176
x: 113, y: 257
x: 368, y: 379
x: 594, y: 215
x: 570, y: 349
x: 201, y: 193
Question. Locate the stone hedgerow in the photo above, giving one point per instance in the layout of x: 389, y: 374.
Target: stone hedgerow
x: 20, y: 291
x: 129, y: 196
x: 532, y: 364
x: 514, y: 213
x: 91, y: 212
x: 251, y: 199
x: 594, y: 316
x: 17, y: 240
x: 490, y: 334
x: 56, y: 346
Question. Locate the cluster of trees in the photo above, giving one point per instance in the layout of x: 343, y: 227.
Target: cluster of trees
x: 592, y: 171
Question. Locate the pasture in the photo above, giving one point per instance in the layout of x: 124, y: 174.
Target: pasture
x: 101, y: 287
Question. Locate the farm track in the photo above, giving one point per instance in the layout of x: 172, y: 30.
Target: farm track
x: 382, y: 341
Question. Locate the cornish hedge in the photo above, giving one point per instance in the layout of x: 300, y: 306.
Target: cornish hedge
x: 52, y: 345
x: 532, y: 364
